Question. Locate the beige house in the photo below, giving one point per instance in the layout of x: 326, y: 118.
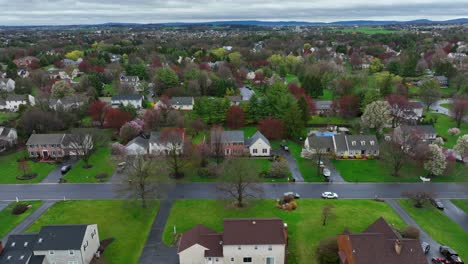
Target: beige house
x: 258, y: 145
x: 68, y: 244
x: 253, y: 240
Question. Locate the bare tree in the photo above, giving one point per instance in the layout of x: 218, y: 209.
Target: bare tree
x: 419, y: 197
x: 145, y: 179
x: 176, y: 151
x: 317, y: 149
x: 217, y: 143
x: 459, y: 109
x: 327, y: 213
x: 239, y: 181
x: 83, y: 142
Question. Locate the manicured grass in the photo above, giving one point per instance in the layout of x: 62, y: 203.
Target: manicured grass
x: 204, y: 135
x: 101, y: 163
x: 10, y: 170
x: 291, y: 78
x: 8, y: 221
x: 6, y: 117
x: 448, y: 106
x: 439, y: 227
x: 127, y: 222
x: 249, y: 131
x: 442, y: 126
x: 462, y: 204
x: 380, y: 171
x: 305, y: 229
x: 109, y: 90
x: 334, y: 120
x: 327, y: 95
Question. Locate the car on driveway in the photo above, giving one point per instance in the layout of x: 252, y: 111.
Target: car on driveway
x: 293, y: 194
x: 425, y: 247
x: 450, y: 254
x: 65, y: 168
x: 329, y: 195
x: 438, y: 204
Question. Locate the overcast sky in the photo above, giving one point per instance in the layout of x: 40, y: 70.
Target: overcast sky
x: 63, y: 12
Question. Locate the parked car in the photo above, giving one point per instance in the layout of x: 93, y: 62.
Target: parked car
x: 450, y: 254
x: 294, y: 194
x: 65, y: 168
x: 426, y: 247
x: 438, y: 204
x: 330, y: 195
x: 121, y: 166
x: 438, y: 260
x: 326, y: 172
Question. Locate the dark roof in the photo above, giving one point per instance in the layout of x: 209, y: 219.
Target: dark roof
x: 181, y: 101
x: 4, y: 131
x: 377, y: 245
x: 130, y: 97
x: 35, y: 139
x: 323, y: 105
x: 426, y: 129
x: 60, y: 237
x: 203, y: 236
x: 155, y: 137
x: 17, y: 97
x: 37, y: 259
x: 340, y: 142
x: 140, y: 141
x: 258, y: 135
x: 362, y: 142
x: 320, y: 142
x: 230, y: 136
x: 18, y: 249
x: 254, y: 231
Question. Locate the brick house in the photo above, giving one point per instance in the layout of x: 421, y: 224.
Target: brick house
x: 52, y: 146
x: 233, y: 142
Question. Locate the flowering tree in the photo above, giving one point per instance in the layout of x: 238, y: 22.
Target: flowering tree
x: 462, y: 145
x: 439, y: 141
x: 61, y: 89
x: 459, y: 110
x: 131, y: 129
x: 436, y: 162
x: 454, y: 131
x: 377, y: 115
x: 272, y: 128
x: 398, y: 105
x: 118, y: 149
x: 152, y: 120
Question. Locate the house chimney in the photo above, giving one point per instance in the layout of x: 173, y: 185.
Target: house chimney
x: 1, y: 247
x: 398, y: 247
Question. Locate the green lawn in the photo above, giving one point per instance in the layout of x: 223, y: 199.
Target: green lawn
x: 204, y: 135
x: 8, y: 221
x: 249, y: 131
x: 380, y: 171
x: 109, y: 90
x: 128, y: 223
x: 439, y: 227
x: 462, y: 204
x: 442, y: 126
x: 10, y: 170
x: 304, y: 225
x: 102, y: 163
x: 327, y: 95
x: 7, y: 117
x: 448, y: 106
x: 291, y: 78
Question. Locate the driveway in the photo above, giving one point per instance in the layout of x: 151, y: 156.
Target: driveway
x: 155, y: 251
x: 423, y: 236
x: 292, y: 164
x: 55, y: 175
x: 456, y: 214
x: 436, y: 107
x: 335, y: 174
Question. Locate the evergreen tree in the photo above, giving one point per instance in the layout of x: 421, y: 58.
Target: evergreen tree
x: 313, y: 85
x: 305, y: 115
x: 293, y: 122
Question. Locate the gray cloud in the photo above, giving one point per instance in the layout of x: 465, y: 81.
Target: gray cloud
x: 39, y: 12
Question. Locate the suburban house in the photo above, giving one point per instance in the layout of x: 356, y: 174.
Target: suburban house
x: 182, y: 103
x: 23, y: 73
x: 8, y: 137
x: 137, y: 146
x: 13, y: 102
x: 67, y: 244
x: 65, y: 103
x: 246, y: 93
x: 248, y: 240
x: 379, y: 243
x: 67, y: 62
x: 55, y: 146
x: 134, y: 100
x: 131, y: 81
x: 7, y: 85
x: 235, y: 99
x: 323, y: 107
x: 160, y: 143
x: 258, y: 145
x: 413, y: 113
x: 115, y: 57
x: 232, y: 142
x: 427, y: 133
x: 342, y: 146
x: 442, y: 80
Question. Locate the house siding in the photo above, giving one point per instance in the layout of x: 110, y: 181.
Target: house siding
x: 258, y: 255
x: 258, y: 147
x: 193, y: 255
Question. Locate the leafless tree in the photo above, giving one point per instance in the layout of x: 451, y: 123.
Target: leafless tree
x: 327, y: 212
x: 83, y: 142
x: 177, y: 150
x: 239, y: 181
x: 217, y: 143
x: 318, y: 148
x: 419, y: 198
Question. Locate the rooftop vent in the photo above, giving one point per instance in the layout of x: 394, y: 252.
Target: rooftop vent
x: 25, y: 244
x: 40, y: 240
x: 253, y: 222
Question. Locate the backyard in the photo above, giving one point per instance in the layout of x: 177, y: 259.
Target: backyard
x: 442, y: 126
x: 10, y: 170
x: 439, y: 227
x: 380, y: 171
x: 101, y: 164
x: 125, y: 221
x: 303, y: 239
x: 8, y: 221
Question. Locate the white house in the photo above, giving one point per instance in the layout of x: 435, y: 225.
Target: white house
x: 13, y: 102
x: 137, y: 146
x: 160, y: 143
x: 352, y: 146
x: 182, y: 103
x: 135, y: 100
x: 7, y: 84
x: 258, y: 145
x: 8, y: 137
x: 68, y: 244
x: 252, y: 240
x: 246, y: 93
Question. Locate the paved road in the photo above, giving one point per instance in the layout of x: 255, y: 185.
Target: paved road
x: 423, y: 236
x: 9, y: 192
x: 154, y: 248
x: 55, y: 175
x: 21, y: 227
x: 292, y: 164
x: 456, y: 214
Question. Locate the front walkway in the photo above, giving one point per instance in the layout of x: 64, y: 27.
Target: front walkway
x: 55, y: 175
x: 423, y: 236
x: 155, y: 251
x: 335, y: 174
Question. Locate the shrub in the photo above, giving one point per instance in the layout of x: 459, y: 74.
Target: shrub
x: 27, y: 177
x: 101, y: 176
x: 411, y: 232
x: 359, y: 156
x: 19, y: 208
x: 279, y: 169
x: 327, y: 251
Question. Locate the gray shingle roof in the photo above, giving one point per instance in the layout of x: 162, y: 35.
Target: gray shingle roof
x: 256, y: 137
x: 323, y: 105
x: 246, y: 93
x: 15, y: 250
x: 231, y: 136
x: 129, y: 97
x: 35, y: 139
x: 140, y: 141
x: 181, y: 101
x: 61, y: 237
x: 362, y: 142
x: 17, y: 97
x: 340, y: 142
x: 320, y: 142
x: 427, y: 129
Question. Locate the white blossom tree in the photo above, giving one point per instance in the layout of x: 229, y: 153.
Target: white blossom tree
x: 377, y: 115
x: 439, y: 141
x: 436, y: 162
x: 462, y: 145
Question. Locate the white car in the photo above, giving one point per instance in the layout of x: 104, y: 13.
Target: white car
x: 330, y: 195
x: 294, y: 194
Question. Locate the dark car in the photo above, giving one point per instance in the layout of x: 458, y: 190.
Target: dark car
x: 65, y: 169
x: 438, y: 204
x: 426, y: 247
x: 450, y: 254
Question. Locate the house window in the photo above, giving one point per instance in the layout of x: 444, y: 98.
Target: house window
x: 13, y: 244
x: 265, y: 151
x: 255, y: 151
x: 372, y: 143
x: 270, y: 248
x: 363, y: 143
x: 232, y: 259
x: 270, y: 260
x: 217, y: 260
x: 51, y: 252
x: 353, y: 143
x: 71, y: 252
x: 239, y: 247
x: 256, y: 247
x: 248, y: 260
